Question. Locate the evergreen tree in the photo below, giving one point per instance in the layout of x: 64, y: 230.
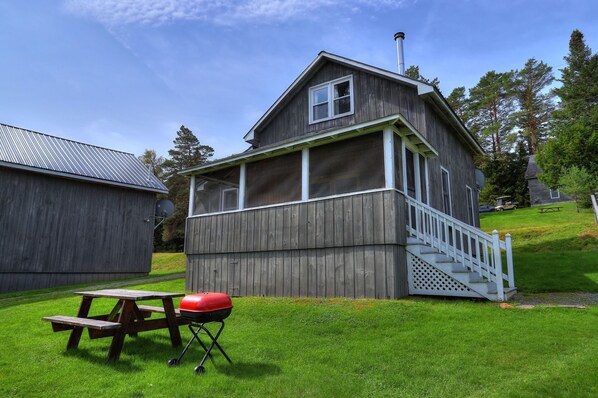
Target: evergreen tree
x: 187, y: 152
x: 457, y: 99
x: 413, y: 72
x: 575, y: 122
x: 491, y: 105
x: 505, y: 175
x: 535, y: 105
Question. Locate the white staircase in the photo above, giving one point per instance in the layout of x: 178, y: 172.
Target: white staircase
x: 447, y: 257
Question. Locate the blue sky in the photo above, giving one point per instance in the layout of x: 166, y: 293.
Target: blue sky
x: 125, y: 74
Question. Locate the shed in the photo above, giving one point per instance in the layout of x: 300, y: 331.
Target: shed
x: 540, y: 194
x: 71, y: 212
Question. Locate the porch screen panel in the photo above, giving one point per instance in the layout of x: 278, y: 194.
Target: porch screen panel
x: 274, y: 180
x: 352, y: 165
x: 217, y: 191
x: 398, y: 152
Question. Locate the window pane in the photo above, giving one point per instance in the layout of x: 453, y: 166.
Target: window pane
x: 274, y: 180
x: 446, y: 193
x: 342, y: 89
x: 352, y: 165
x: 409, y: 160
x: 398, y: 162
x: 342, y: 105
x: 214, y: 191
x: 422, y: 178
x: 320, y: 95
x: 321, y: 111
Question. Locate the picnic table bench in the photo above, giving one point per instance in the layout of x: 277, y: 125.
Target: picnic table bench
x: 552, y: 209
x: 127, y: 317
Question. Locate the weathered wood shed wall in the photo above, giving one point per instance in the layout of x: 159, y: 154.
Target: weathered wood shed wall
x: 57, y: 231
x: 349, y: 246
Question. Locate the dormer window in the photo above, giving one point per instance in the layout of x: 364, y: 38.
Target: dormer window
x: 331, y: 100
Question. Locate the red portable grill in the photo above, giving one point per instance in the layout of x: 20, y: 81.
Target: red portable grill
x: 202, y: 308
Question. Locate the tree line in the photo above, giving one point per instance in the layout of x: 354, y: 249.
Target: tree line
x: 518, y: 113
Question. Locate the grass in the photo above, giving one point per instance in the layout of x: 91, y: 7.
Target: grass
x: 319, y: 348
x: 339, y: 347
x: 552, y: 252
x: 167, y: 263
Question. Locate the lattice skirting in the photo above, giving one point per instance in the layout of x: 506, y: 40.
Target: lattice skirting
x: 426, y: 280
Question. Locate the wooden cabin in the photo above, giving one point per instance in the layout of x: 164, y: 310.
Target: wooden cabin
x: 540, y: 194
x: 71, y: 212
x: 360, y: 182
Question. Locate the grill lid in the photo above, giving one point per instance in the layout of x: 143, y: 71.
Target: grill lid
x: 206, y: 302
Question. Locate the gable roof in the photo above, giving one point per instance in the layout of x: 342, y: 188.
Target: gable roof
x: 533, y: 169
x: 423, y: 89
x: 46, y: 154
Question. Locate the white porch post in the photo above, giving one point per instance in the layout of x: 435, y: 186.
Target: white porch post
x: 191, y: 195
x: 241, y: 197
x: 305, y: 174
x: 389, y: 155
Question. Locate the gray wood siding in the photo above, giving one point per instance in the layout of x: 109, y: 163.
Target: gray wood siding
x: 454, y: 156
x: 53, y: 228
x: 351, y: 246
x: 375, y: 97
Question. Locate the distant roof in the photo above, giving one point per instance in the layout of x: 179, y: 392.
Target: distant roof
x: 533, y: 169
x: 42, y: 153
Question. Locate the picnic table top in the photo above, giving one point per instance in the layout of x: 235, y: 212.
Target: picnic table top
x: 126, y: 294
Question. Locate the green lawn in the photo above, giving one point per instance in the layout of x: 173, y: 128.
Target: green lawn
x: 555, y: 252
x: 285, y: 347
x: 317, y: 348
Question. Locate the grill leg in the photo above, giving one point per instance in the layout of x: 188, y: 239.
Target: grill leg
x: 214, y: 343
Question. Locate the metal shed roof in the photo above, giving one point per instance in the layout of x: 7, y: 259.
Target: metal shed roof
x: 42, y: 153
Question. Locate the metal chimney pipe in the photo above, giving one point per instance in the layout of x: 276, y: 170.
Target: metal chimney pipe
x: 399, y: 37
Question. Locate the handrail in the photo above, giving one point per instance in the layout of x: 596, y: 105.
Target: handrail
x: 595, y: 206
x: 478, y: 251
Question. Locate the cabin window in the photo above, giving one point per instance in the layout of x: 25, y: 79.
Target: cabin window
x: 352, y: 165
x: 331, y: 100
x: 423, y: 181
x: 555, y: 194
x: 446, y: 191
x: 273, y: 180
x: 398, y: 152
x: 216, y: 191
x: 470, y: 209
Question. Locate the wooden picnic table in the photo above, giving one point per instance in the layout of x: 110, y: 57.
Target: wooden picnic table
x: 127, y: 317
x: 552, y: 209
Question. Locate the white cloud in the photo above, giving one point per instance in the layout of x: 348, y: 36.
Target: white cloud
x: 122, y: 12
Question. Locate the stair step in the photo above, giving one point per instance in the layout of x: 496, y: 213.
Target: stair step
x: 458, y: 267
x: 414, y: 241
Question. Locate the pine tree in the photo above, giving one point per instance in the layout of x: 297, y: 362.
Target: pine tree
x: 413, y: 72
x: 458, y: 101
x: 535, y: 105
x: 187, y: 152
x: 153, y: 162
x: 491, y: 104
x: 575, y: 122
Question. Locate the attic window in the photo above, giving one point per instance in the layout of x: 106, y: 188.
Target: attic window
x: 331, y: 100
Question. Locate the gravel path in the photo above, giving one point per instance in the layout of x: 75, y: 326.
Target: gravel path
x: 555, y: 299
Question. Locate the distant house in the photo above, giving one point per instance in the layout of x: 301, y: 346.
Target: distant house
x: 540, y: 194
x: 360, y: 182
x: 71, y: 212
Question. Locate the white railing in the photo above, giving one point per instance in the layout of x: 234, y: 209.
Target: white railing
x: 595, y: 206
x: 475, y: 249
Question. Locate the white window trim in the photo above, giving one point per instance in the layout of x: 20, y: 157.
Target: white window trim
x: 330, y: 86
x: 558, y: 194
x: 222, y: 194
x: 450, y: 196
x: 469, y: 193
